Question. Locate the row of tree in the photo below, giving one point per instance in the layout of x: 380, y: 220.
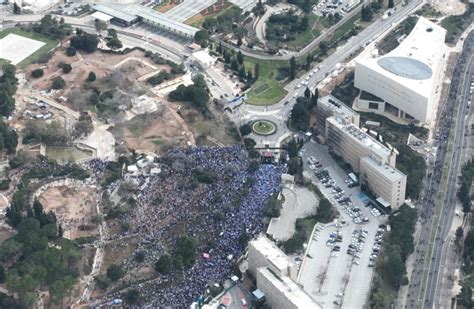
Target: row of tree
x: 7, y: 89
x: 8, y: 138
x: 391, y: 269
x: 464, y: 192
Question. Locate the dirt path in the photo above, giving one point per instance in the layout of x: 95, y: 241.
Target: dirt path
x: 88, y: 280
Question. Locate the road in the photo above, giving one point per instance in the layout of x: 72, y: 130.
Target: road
x: 449, y: 202
x: 436, y: 223
x: 133, y: 36
x: 281, y: 111
x: 374, y: 30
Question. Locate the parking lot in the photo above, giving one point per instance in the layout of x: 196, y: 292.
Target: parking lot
x: 338, y: 266
x: 341, y: 7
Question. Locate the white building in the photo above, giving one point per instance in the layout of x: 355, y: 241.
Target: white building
x: 374, y: 162
x: 276, y: 275
x: 404, y: 84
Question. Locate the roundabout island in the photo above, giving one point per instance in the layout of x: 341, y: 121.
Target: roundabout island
x: 263, y: 127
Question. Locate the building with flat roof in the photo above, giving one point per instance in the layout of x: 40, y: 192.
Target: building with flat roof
x: 338, y: 125
x: 127, y: 15
x: 276, y: 275
x: 263, y: 252
x: 330, y: 106
x: 352, y: 143
x: 282, y: 292
x: 117, y: 12
x: 384, y: 181
x: 404, y: 83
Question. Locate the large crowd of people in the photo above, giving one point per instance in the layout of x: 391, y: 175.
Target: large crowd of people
x: 217, y: 213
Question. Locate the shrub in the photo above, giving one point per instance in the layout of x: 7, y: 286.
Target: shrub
x: 66, y: 68
x: 91, y: 77
x: 58, y: 83
x: 114, y: 272
x: 71, y: 51
x: 37, y: 73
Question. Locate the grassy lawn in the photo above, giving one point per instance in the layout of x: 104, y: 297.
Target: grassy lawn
x: 266, y: 90
x: 310, y: 34
x: 50, y: 44
x: 345, y: 27
x: 263, y: 127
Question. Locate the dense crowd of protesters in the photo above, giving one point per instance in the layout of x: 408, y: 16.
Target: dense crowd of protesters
x: 217, y: 213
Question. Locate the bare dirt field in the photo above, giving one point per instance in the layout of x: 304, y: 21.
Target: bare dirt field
x: 157, y: 131
x: 449, y: 7
x: 74, y: 208
x: 134, y: 64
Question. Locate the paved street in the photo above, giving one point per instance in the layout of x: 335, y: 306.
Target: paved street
x: 436, y: 223
x: 279, y: 112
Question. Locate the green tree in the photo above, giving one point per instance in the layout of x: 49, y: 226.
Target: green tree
x: 133, y: 296
x: 300, y: 114
x: 323, y: 47
x: 85, y: 41
x: 256, y: 71
x: 16, y: 8
x: 186, y: 248
x: 71, y: 51
x: 58, y: 83
x: 3, y: 274
x: 309, y: 60
x: 37, y: 73
x: 245, y: 129
x: 249, y: 76
x: 465, y: 296
x: 91, y: 77
x: 240, y: 57
x: 114, y: 272
x: 66, y: 67
x: 7, y: 89
x: 307, y: 93
x: 366, y: 13
x: 292, y: 68
x: 391, y: 4
x: 201, y: 37
x: 163, y: 265
x: 113, y: 41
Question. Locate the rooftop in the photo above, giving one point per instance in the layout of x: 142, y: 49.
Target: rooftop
x: 274, y: 255
x: 416, y: 60
x: 406, y: 67
x: 384, y: 169
x: 115, y: 11
x: 291, y: 290
x: 337, y: 106
x: 360, y: 136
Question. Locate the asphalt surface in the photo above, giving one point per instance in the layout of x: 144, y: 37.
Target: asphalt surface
x: 372, y: 31
x: 279, y: 112
x: 436, y: 225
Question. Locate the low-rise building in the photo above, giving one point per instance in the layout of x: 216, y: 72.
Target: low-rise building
x: 276, y: 275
